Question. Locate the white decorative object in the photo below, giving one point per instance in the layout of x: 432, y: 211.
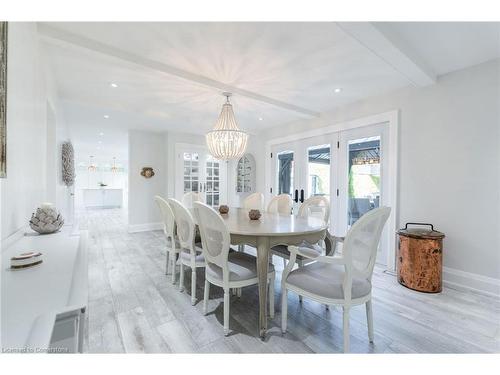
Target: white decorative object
x: 46, y: 220
x: 245, y: 174
x: 68, y: 164
x: 226, y: 141
x: 335, y: 280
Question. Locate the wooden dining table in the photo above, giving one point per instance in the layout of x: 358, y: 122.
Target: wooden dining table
x: 269, y: 230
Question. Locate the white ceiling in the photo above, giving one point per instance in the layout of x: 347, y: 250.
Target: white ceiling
x: 170, y: 75
x: 448, y: 46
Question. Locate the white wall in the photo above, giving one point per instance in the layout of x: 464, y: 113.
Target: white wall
x: 146, y: 149
x: 34, y: 135
x: 25, y: 185
x: 448, y: 164
x: 57, y: 134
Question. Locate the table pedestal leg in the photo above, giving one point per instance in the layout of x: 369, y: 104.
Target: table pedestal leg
x: 262, y: 270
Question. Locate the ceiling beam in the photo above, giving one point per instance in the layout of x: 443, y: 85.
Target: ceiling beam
x: 52, y: 33
x: 392, y: 50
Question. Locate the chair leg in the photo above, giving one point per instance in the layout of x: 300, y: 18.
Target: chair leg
x: 271, y: 298
x: 238, y: 292
x: 346, y: 329
x: 173, y: 256
x: 241, y: 248
x: 181, y: 280
x: 300, y: 297
x: 284, y: 263
x: 206, y: 293
x: 369, y: 319
x: 167, y: 262
x: 226, y: 311
x: 193, y: 286
x: 284, y: 308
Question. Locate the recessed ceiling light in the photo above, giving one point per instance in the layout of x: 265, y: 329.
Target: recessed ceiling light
x: 260, y: 119
x: 101, y: 133
x: 337, y: 90
x: 113, y: 85
x: 106, y: 116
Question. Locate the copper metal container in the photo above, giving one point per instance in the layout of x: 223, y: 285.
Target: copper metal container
x: 420, y: 258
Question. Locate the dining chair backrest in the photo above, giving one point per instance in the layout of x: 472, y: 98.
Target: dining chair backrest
x: 254, y: 201
x: 189, y: 198
x: 186, y: 228
x: 280, y: 204
x: 316, y: 206
x: 167, y: 217
x: 361, y: 241
x: 215, y: 238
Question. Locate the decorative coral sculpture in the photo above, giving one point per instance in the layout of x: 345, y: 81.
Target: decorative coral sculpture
x: 46, y: 220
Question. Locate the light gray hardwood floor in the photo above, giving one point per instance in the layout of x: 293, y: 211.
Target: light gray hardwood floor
x: 133, y: 307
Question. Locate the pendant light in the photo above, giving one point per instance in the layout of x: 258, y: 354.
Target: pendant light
x: 92, y: 167
x: 226, y: 141
x: 114, y: 169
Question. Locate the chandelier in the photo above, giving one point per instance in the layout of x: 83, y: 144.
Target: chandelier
x: 226, y: 141
x: 92, y: 167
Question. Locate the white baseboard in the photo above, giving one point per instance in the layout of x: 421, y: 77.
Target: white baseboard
x: 461, y: 280
x: 133, y: 228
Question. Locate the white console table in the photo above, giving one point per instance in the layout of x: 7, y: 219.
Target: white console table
x: 103, y: 197
x: 43, y: 307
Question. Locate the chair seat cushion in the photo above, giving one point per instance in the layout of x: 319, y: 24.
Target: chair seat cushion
x: 242, y: 266
x: 282, y: 250
x: 185, y: 256
x: 325, y: 280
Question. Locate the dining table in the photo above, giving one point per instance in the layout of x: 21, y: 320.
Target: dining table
x: 269, y: 230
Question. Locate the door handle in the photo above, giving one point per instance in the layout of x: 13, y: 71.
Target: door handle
x: 301, y: 195
x: 296, y: 198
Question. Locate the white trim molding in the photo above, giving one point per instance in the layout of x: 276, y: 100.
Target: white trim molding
x: 146, y: 227
x: 468, y: 281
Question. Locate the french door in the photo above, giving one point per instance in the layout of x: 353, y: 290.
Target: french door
x: 303, y: 168
x: 197, y: 171
x: 347, y: 167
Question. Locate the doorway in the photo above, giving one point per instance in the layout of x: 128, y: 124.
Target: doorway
x: 352, y: 167
x: 198, y: 171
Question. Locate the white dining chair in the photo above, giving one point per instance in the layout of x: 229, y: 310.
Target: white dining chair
x: 335, y: 280
x: 317, y: 206
x: 223, y: 268
x: 280, y: 204
x: 190, y: 255
x: 189, y: 198
x: 173, y: 246
x: 254, y: 201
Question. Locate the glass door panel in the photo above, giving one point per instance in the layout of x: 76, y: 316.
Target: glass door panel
x: 197, y: 171
x: 363, y: 177
x: 318, y: 171
x: 285, y: 172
